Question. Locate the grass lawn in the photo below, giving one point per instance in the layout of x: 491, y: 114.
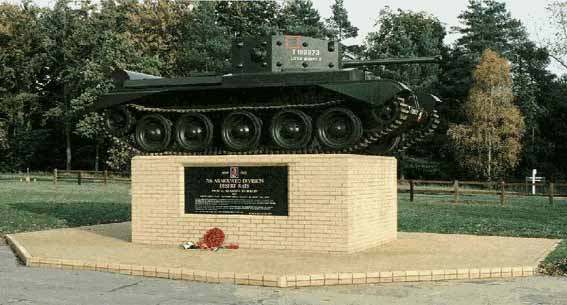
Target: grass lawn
x: 41, y: 205
x: 482, y: 215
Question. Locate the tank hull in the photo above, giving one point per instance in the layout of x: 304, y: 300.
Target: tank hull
x: 287, y: 94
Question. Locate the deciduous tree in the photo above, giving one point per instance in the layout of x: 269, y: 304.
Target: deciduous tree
x: 23, y: 75
x: 558, y: 45
x: 489, y: 143
x: 407, y: 34
x: 248, y: 18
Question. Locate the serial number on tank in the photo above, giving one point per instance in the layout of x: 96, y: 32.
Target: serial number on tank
x: 246, y: 190
x: 305, y: 55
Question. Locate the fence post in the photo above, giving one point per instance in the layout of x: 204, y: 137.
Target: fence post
x: 79, y: 177
x: 55, y: 176
x: 456, y: 189
x: 527, y: 187
x: 105, y: 176
x: 551, y: 191
x: 502, y: 192
x: 411, y: 185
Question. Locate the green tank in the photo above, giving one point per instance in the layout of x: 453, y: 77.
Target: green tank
x: 286, y: 94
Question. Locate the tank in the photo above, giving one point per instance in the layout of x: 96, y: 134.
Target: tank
x: 286, y: 94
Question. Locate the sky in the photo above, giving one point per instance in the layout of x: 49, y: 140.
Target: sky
x: 363, y: 14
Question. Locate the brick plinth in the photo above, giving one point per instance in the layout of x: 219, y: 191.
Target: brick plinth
x: 336, y: 203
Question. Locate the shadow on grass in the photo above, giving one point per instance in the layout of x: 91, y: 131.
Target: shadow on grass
x: 74, y: 214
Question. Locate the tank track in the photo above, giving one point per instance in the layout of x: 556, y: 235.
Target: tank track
x: 368, y: 138
x: 416, y: 136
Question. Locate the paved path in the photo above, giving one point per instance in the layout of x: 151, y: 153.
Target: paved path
x: 23, y: 285
x: 110, y: 244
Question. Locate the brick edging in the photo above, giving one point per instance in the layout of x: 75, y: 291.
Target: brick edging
x: 289, y: 281
x: 20, y: 251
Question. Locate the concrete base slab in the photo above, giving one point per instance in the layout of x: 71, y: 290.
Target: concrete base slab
x: 413, y: 257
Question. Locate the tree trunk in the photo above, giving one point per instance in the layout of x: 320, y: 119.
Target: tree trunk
x: 96, y: 156
x: 68, y: 145
x: 489, y: 159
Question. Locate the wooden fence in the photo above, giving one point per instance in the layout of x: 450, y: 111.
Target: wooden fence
x: 501, y: 189
x: 454, y: 188
x: 81, y: 176
x: 69, y: 176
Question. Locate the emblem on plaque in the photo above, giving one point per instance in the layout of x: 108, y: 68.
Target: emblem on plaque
x: 234, y: 172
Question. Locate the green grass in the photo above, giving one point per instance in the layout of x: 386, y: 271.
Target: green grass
x: 556, y: 262
x: 482, y: 215
x: 41, y: 205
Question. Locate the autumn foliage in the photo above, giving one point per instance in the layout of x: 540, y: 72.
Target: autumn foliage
x: 489, y: 142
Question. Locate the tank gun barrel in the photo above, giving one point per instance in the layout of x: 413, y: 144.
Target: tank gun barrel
x: 392, y: 61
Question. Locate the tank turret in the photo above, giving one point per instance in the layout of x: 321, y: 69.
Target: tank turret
x: 286, y: 94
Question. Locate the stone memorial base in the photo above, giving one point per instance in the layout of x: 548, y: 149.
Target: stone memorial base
x: 335, y: 203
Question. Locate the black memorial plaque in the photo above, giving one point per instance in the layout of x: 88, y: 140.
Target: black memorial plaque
x: 248, y: 190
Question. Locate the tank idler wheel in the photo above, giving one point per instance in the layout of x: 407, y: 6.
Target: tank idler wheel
x: 194, y: 132
x: 291, y: 129
x: 118, y: 120
x: 241, y: 131
x: 388, y: 113
x: 385, y: 146
x: 339, y: 128
x: 153, y: 133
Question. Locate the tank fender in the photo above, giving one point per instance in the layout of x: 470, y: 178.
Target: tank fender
x: 375, y: 92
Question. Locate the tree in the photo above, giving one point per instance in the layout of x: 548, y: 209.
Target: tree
x: 485, y: 24
x: 558, y: 45
x: 338, y: 24
x: 489, y: 143
x: 533, y: 88
x: 248, y: 18
x: 403, y: 34
x: 300, y: 17
x: 488, y: 24
x: 156, y: 28
x: 70, y: 35
x: 407, y: 34
x: 553, y: 142
x: 22, y: 79
x: 206, y: 43
x: 84, y: 45
x: 113, y: 47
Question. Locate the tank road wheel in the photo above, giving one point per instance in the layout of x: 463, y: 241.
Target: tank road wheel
x: 153, y: 133
x: 194, y: 132
x: 338, y: 128
x: 291, y: 129
x: 118, y: 120
x: 241, y: 130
